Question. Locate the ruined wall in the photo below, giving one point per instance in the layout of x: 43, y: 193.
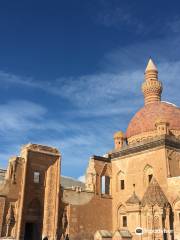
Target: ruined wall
x: 91, y: 211
x: 40, y: 199
x: 84, y: 220
x: 2, y: 206
x: 11, y: 190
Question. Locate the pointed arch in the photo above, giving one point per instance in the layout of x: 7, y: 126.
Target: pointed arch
x: 148, y: 174
x: 106, y: 171
x: 121, y: 216
x: 176, y: 202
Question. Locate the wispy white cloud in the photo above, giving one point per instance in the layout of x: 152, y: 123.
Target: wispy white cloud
x: 20, y: 115
x: 81, y: 178
x: 113, y: 14
x: 101, y: 92
x: 101, y: 103
x: 94, y: 97
x: 117, y: 17
x: 8, y: 78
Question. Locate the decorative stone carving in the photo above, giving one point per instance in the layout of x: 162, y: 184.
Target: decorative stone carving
x: 10, y: 220
x: 11, y: 172
x: 148, y: 170
x: 64, y: 223
x: 156, y: 222
x: 173, y: 157
x: 172, y: 154
x: 41, y: 148
x: 91, y: 176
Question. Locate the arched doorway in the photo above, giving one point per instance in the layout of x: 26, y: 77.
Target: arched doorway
x: 31, y: 231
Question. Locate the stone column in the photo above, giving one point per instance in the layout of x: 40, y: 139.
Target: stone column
x: 20, y: 224
x: 2, y: 207
x: 167, y: 223
x: 51, y: 204
x: 57, y: 197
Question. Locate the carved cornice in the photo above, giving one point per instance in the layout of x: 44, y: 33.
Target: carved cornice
x: 99, y: 158
x: 164, y: 140
x: 41, y: 148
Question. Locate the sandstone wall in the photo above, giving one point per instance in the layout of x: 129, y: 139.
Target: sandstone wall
x: 86, y: 219
x: 2, y: 206
x: 133, y: 169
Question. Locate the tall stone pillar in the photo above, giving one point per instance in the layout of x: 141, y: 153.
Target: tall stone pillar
x: 21, y: 204
x: 51, y: 205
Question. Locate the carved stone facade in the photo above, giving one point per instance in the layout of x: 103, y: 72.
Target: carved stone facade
x: 132, y: 192
x: 30, y: 205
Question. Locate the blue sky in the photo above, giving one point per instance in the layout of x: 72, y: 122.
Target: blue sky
x: 71, y: 71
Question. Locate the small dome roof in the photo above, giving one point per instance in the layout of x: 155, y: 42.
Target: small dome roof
x: 133, y: 199
x: 119, y: 134
x: 145, y: 119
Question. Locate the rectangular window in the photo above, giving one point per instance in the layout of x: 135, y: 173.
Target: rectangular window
x: 105, y: 185
x: 103, y: 180
x: 150, y: 177
x: 124, y: 219
x: 36, y: 177
x: 122, y: 184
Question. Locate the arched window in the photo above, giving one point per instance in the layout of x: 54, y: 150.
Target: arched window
x: 148, y: 174
x: 120, y: 181
x: 122, y: 216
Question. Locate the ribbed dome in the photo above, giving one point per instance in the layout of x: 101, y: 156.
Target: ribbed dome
x: 145, y: 119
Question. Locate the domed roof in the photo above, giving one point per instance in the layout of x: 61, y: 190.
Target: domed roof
x: 145, y: 119
x: 119, y: 134
x: 133, y: 199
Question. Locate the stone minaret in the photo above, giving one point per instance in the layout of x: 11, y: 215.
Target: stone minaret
x: 152, y: 87
x: 118, y: 140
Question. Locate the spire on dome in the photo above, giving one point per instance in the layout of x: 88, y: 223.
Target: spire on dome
x: 151, y: 66
x: 152, y: 87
